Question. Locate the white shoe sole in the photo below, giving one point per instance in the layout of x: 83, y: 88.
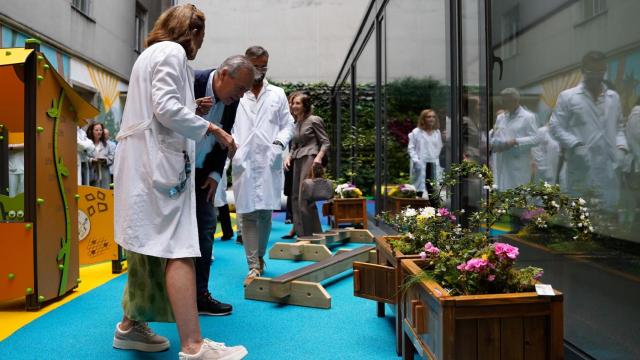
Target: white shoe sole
x: 238, y: 355
x: 144, y: 347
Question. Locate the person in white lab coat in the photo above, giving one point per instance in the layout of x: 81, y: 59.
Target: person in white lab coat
x: 587, y: 122
x: 511, y: 140
x: 546, y: 156
x: 263, y: 127
x: 154, y: 213
x: 425, y: 144
x: 101, y: 160
x: 85, y: 150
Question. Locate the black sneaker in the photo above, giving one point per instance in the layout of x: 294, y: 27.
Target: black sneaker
x: 239, y: 239
x: 207, y: 305
x: 226, y: 237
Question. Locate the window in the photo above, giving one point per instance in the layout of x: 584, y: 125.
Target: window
x: 141, y: 28
x: 84, y: 6
x: 508, y: 30
x: 593, y: 8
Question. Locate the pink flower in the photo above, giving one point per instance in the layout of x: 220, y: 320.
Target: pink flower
x: 475, y: 265
x: 432, y: 250
x: 443, y: 212
x: 491, y: 277
x: 423, y: 255
x: 506, y: 251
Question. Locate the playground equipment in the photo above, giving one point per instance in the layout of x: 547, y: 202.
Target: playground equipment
x: 39, y: 257
x: 302, y: 286
x: 316, y: 247
x: 95, y: 228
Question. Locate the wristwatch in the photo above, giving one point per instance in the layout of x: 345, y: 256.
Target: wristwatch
x: 277, y: 142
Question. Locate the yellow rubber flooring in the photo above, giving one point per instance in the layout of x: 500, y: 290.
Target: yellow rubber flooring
x: 13, y: 315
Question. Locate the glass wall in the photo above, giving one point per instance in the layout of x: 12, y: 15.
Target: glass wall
x: 538, y: 90
x: 416, y: 95
x: 564, y: 106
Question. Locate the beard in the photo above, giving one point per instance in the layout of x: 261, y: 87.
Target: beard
x: 258, y: 80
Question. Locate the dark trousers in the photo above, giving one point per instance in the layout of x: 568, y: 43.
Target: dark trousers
x: 430, y: 174
x: 206, y: 217
x: 225, y: 221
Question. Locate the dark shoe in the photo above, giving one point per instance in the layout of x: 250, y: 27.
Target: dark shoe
x: 288, y: 236
x: 207, y: 305
x: 239, y: 240
x: 226, y: 237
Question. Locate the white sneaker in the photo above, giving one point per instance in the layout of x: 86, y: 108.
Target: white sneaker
x: 212, y: 350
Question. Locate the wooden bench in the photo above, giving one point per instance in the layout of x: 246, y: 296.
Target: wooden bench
x: 302, y: 286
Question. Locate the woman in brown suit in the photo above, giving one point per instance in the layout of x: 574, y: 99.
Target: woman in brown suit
x: 309, y: 146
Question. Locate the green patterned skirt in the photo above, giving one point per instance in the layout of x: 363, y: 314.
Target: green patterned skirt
x: 145, y: 295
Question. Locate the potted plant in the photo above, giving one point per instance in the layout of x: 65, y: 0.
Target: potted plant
x: 404, y: 196
x: 348, y: 206
x: 458, y: 262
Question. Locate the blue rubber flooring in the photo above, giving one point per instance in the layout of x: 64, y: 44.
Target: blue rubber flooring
x: 83, y: 328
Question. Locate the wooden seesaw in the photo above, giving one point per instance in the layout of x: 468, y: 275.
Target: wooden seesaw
x: 316, y: 247
x: 302, y: 286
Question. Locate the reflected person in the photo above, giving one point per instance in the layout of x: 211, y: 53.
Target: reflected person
x: 511, y: 140
x: 587, y: 122
x: 425, y: 144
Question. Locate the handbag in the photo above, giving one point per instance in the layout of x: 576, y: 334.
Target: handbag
x: 317, y: 189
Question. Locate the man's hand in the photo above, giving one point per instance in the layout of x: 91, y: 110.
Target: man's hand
x: 203, y: 105
x: 212, y: 185
x: 224, y: 138
x: 287, y: 163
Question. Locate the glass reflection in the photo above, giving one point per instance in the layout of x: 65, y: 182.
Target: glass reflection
x: 416, y: 97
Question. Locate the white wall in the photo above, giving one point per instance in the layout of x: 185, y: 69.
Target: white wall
x: 307, y: 40
x: 107, y: 41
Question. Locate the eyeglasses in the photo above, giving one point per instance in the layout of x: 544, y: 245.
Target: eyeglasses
x: 184, y: 176
x: 261, y: 67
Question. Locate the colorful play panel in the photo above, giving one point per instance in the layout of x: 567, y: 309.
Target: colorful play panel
x: 40, y: 259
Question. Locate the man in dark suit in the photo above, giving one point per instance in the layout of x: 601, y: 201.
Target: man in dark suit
x: 217, y: 93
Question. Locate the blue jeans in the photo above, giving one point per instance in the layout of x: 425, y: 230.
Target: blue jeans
x: 206, y: 217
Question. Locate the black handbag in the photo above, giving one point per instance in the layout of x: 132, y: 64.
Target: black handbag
x: 317, y: 189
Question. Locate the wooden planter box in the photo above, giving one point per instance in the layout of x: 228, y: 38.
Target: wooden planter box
x: 380, y: 281
x: 347, y: 211
x: 497, y: 326
x: 398, y: 204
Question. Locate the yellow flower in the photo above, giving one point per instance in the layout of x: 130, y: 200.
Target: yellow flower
x: 485, y: 257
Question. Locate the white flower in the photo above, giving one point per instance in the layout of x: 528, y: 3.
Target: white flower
x: 461, y: 211
x: 581, y: 217
x: 581, y: 201
x: 591, y: 228
x: 428, y: 212
x: 579, y: 224
x: 410, y: 212
x: 546, y: 184
x: 410, y: 236
x: 486, y: 187
x: 494, y: 187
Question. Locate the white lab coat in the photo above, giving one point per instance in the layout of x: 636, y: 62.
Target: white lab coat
x: 220, y: 199
x: 512, y: 165
x: 85, y: 150
x: 632, y: 132
x: 599, y: 127
x: 256, y: 168
x: 158, y: 124
x: 546, y: 155
x: 423, y: 148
